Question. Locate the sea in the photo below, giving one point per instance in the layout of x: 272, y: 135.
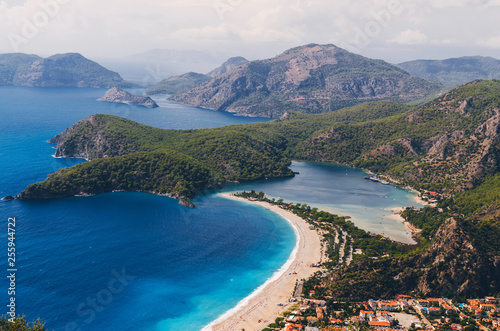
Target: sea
x: 136, y: 261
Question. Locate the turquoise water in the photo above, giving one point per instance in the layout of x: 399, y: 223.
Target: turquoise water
x: 343, y: 191
x: 170, y: 267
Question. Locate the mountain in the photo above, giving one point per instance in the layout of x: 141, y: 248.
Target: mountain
x: 148, y: 68
x: 178, y: 84
x: 309, y: 79
x: 230, y: 64
x: 456, y: 71
x: 182, y: 83
x: 116, y: 94
x: 61, y: 70
x: 450, y: 145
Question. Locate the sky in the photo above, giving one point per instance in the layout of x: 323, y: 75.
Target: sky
x: 392, y: 30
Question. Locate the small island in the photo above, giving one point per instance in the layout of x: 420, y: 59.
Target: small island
x: 116, y: 94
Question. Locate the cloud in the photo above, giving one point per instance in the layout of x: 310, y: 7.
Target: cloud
x: 493, y: 42
x: 459, y: 3
x: 410, y: 37
x: 259, y: 27
x: 220, y: 32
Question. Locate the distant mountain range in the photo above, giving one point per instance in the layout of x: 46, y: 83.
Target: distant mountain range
x: 179, y: 84
x: 310, y: 79
x: 456, y: 71
x: 61, y: 70
x: 148, y: 68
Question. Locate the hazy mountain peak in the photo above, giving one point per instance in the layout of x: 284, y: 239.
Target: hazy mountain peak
x: 231, y: 63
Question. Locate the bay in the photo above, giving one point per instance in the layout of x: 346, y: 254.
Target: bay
x: 135, y: 261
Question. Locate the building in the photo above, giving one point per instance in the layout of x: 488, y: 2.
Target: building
x: 294, y: 327
x: 366, y: 314
x: 388, y: 305
x: 379, y: 324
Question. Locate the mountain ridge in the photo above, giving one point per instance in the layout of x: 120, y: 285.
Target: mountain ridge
x: 454, y: 71
x: 311, y: 78
x: 60, y: 70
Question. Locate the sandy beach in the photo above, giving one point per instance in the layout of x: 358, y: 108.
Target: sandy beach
x: 412, y: 230
x: 263, y: 306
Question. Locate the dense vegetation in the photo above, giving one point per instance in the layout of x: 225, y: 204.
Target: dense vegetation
x: 160, y: 172
x: 448, y: 145
x: 20, y: 324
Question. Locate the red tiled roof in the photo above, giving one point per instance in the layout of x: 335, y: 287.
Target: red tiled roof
x: 379, y: 323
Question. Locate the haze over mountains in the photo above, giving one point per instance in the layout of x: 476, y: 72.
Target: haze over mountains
x: 179, y: 84
x: 230, y: 64
x: 310, y: 79
x: 61, y: 70
x: 148, y: 68
x: 455, y: 71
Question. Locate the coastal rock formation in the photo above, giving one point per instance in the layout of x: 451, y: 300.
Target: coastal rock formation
x: 116, y: 94
x: 230, y: 64
x: 61, y: 70
x: 309, y: 79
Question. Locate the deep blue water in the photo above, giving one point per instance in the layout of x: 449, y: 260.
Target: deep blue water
x: 188, y: 265
x: 170, y: 267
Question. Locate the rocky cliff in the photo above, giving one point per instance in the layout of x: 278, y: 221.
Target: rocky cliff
x: 61, y: 70
x: 116, y: 94
x: 310, y: 79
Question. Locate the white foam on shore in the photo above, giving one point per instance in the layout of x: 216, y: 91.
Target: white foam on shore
x: 269, y: 281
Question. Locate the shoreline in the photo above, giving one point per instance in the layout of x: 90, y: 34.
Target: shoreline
x: 261, y: 307
x: 396, y: 215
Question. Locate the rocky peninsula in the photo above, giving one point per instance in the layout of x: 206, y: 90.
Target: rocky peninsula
x: 116, y: 94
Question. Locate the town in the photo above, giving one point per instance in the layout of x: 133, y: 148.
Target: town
x: 401, y: 313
